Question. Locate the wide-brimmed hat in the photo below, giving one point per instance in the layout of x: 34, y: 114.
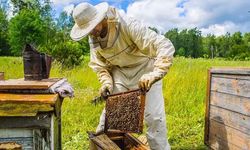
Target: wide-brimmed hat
x: 86, y: 18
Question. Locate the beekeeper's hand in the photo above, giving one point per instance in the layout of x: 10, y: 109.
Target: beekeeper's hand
x: 147, y: 80
x: 105, y: 90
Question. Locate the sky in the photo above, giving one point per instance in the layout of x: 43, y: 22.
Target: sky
x: 210, y: 16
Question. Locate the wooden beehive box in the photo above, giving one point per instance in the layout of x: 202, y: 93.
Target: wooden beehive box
x: 227, y: 121
x: 111, y: 140
x: 28, y: 118
x: 124, y: 114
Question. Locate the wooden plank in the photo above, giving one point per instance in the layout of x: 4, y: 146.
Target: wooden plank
x: 33, y: 91
x: 22, y: 84
x: 104, y: 142
x: 216, y: 143
x: 231, y: 102
x: 11, y: 133
x: 238, y: 77
x: 227, y: 70
x: 19, y: 109
x: 41, y: 121
x: 10, y: 146
x: 231, y: 86
x: 206, y: 129
x: 27, y: 104
x: 135, y: 144
x: 230, y: 118
x: 55, y: 132
x: 229, y: 135
x: 29, y: 98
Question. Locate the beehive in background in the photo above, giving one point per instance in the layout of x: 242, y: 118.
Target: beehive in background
x: 29, y: 115
x: 227, y: 122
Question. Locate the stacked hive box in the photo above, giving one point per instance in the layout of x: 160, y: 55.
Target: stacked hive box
x: 227, y: 123
x: 28, y: 118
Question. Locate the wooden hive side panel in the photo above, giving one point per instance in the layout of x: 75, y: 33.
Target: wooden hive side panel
x: 228, y: 111
x: 231, y: 84
x: 225, y: 137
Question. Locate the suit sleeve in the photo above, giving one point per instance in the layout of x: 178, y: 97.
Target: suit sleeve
x: 153, y: 45
x: 101, y: 67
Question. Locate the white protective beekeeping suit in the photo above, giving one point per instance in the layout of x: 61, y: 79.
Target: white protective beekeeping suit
x: 129, y: 51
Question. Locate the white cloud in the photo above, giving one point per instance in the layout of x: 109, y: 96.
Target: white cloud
x: 155, y: 13
x: 216, y: 16
x: 68, y: 9
x: 66, y: 2
x: 220, y: 29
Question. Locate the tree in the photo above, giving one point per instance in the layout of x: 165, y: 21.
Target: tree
x: 26, y: 27
x: 190, y: 42
x: 42, y: 6
x: 64, y: 22
x: 223, y: 46
x: 19, y: 5
x: 239, y: 47
x: 209, y: 45
x: 183, y: 42
x: 173, y: 36
x: 246, y: 39
x: 195, y: 43
x: 4, y: 46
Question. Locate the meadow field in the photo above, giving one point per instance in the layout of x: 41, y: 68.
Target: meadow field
x: 184, y: 92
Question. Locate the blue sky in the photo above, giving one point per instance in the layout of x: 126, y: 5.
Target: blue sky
x: 59, y: 5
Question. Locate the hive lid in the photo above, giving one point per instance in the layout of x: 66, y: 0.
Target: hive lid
x: 125, y: 111
x: 21, y: 84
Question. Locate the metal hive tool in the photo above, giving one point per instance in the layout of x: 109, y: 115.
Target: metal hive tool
x: 125, y: 111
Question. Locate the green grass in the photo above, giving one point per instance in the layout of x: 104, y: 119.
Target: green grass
x: 184, y: 92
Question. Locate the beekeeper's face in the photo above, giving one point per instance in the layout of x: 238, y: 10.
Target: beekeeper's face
x: 97, y: 30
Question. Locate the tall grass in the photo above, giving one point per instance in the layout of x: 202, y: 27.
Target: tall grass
x: 184, y: 92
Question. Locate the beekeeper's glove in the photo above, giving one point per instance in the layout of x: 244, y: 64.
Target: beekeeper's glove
x: 147, y: 80
x: 106, y: 90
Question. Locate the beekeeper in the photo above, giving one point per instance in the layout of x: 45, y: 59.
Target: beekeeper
x: 126, y: 55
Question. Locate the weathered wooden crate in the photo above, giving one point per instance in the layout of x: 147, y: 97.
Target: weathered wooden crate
x: 227, y: 121
x: 125, y: 111
x: 124, y: 114
x: 31, y: 120
x: 112, y: 140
